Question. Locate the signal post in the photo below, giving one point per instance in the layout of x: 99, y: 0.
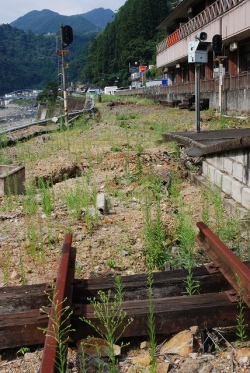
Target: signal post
x: 217, y: 47
x: 66, y: 39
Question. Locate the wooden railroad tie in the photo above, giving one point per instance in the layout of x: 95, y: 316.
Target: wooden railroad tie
x: 20, y: 314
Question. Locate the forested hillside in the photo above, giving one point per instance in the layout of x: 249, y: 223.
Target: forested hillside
x: 132, y: 36
x: 29, y: 61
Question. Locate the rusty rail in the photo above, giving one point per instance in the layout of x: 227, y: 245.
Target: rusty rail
x: 174, y: 312
x: 226, y: 262
x: 63, y: 296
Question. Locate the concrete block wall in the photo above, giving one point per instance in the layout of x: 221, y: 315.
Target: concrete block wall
x: 230, y: 171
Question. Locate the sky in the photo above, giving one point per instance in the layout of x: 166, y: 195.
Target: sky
x: 12, y: 9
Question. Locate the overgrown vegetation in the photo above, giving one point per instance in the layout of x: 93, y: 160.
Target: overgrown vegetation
x: 113, y: 319
x: 151, y: 223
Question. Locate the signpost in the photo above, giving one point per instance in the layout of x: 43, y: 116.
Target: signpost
x: 142, y: 70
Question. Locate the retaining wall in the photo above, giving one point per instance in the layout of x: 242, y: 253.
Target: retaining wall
x: 233, y: 101
x: 230, y: 171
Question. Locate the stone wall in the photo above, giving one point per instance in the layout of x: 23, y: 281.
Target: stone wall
x: 230, y: 171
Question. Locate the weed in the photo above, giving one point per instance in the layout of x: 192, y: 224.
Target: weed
x: 23, y: 350
x: 33, y: 239
x: 111, y: 263
x: 139, y: 149
x: 22, y: 269
x: 205, y: 193
x: 6, y: 264
x: 29, y: 199
x: 241, y: 326
x: 218, y: 210
x: 124, y: 125
x: 115, y: 148
x: 60, y: 327
x: 151, y: 324
x: 186, y: 236
x: 174, y: 187
x: 111, y: 316
x: 47, y: 196
x: 154, y: 233
x: 192, y: 286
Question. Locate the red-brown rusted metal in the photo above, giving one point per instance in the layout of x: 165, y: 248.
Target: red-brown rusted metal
x: 228, y: 263
x: 48, y: 364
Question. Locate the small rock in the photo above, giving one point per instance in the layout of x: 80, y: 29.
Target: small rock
x: 194, y: 330
x: 144, y: 345
x: 28, y: 356
x: 244, y: 351
x: 96, y: 347
x: 124, y: 253
x: 14, y: 275
x: 193, y: 355
x: 243, y: 360
x: 181, y: 344
x: 163, y: 367
x: 142, y: 360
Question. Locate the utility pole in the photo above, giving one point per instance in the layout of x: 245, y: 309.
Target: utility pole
x: 66, y: 39
x: 197, y: 96
x: 65, y: 98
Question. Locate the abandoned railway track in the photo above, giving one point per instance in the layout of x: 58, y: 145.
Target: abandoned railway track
x: 21, y: 318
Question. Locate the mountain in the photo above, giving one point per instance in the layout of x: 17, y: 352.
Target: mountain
x: 99, y: 17
x: 131, y: 37
x: 47, y: 21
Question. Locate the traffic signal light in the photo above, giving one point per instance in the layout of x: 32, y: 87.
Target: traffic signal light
x: 217, y: 44
x: 67, y: 35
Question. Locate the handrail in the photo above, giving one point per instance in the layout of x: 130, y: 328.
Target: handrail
x: 212, y: 12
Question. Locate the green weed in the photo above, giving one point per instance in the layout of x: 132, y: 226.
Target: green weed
x: 48, y: 196
x: 154, y: 232
x: 240, y: 318
x: 112, y: 317
x: 60, y: 328
x: 151, y: 324
x: 30, y: 204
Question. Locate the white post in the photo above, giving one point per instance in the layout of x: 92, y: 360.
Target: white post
x: 197, y: 96
x: 220, y: 86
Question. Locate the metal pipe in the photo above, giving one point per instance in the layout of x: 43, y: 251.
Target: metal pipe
x: 197, y: 96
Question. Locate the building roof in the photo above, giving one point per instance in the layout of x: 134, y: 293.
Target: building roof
x: 179, y: 12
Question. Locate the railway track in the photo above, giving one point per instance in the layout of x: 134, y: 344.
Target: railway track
x: 21, y: 319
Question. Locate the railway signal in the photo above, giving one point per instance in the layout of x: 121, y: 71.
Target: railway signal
x: 66, y: 39
x: 217, y: 44
x: 67, y: 35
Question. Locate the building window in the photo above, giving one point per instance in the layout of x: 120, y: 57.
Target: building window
x: 184, y: 73
x: 244, y: 57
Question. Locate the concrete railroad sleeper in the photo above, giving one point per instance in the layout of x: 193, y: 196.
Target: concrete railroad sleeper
x: 215, y: 306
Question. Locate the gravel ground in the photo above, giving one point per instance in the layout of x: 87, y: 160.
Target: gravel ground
x: 14, y: 116
x: 107, y: 156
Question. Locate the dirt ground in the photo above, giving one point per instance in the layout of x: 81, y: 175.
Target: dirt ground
x: 111, y: 153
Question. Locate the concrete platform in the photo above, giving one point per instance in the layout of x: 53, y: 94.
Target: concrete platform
x: 225, y: 159
x: 210, y: 142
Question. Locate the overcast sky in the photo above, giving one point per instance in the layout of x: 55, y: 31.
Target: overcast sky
x: 12, y: 9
